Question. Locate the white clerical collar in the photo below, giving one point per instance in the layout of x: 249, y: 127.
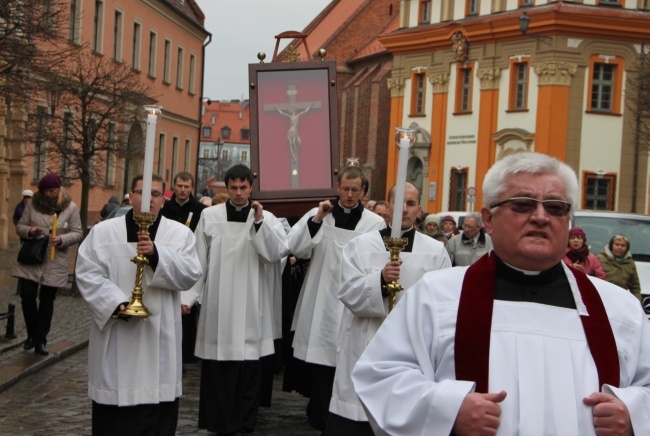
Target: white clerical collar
x: 528, y: 273
x: 238, y: 208
x: 345, y: 209
x: 403, y: 231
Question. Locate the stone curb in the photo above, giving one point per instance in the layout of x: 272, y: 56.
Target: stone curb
x: 30, y: 363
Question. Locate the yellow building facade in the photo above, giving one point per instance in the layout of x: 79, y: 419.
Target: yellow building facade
x: 477, y: 88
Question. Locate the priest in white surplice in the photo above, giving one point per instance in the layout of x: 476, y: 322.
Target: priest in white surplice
x: 367, y: 268
x: 134, y: 366
x: 235, y: 242
x: 320, y: 235
x: 517, y: 343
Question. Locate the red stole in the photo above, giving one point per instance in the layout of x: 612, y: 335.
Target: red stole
x: 474, y: 323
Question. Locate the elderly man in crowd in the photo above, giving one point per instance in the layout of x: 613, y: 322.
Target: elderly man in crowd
x: 472, y: 243
x: 517, y: 343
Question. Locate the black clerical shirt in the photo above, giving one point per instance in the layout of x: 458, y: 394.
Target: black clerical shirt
x: 132, y: 235
x: 549, y: 287
x: 342, y: 218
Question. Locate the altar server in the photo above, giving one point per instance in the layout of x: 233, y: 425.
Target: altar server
x: 134, y: 366
x: 367, y: 269
x: 320, y: 235
x: 236, y: 242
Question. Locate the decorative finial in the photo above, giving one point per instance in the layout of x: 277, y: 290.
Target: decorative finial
x: 261, y: 56
x: 321, y: 53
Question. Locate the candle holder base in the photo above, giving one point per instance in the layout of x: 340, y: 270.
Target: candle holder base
x: 136, y: 307
x: 395, y: 247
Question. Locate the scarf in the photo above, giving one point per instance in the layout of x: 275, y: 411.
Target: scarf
x: 579, y: 256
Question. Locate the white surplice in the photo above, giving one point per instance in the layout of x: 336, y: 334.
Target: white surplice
x: 363, y: 259
x: 318, y: 313
x: 236, y: 319
x: 135, y: 362
x: 538, y: 354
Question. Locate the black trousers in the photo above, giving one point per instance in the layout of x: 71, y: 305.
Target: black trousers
x: 38, y: 318
x: 339, y: 426
x: 141, y: 420
x: 230, y: 395
x: 321, y: 379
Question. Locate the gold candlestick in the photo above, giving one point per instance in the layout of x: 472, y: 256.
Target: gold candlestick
x: 394, y: 246
x: 136, y: 307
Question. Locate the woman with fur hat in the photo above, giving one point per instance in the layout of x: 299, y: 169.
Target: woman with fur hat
x: 578, y: 255
x: 619, y: 266
x: 36, y: 222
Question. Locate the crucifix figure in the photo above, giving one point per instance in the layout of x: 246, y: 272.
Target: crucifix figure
x: 293, y: 110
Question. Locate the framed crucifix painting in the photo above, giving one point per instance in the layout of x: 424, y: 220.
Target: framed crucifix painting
x: 294, y: 146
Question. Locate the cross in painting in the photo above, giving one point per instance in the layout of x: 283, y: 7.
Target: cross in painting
x: 293, y: 110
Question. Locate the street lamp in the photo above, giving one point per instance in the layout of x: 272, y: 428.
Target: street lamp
x: 524, y: 23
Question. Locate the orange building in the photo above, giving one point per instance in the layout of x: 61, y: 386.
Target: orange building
x: 477, y: 88
x: 163, y: 42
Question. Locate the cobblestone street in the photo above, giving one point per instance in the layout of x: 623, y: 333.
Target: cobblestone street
x: 48, y: 395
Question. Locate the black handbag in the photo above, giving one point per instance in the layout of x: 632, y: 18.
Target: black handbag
x: 33, y: 251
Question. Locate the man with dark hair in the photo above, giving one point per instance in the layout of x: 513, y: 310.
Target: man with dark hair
x: 184, y: 208
x: 134, y: 367
x: 320, y: 235
x: 237, y: 241
x: 366, y: 271
x: 183, y: 203
x: 381, y: 209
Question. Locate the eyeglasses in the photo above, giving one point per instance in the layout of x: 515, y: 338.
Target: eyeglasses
x: 527, y: 205
x: 353, y: 190
x: 154, y: 194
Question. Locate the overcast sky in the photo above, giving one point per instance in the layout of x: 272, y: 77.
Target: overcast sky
x: 242, y: 28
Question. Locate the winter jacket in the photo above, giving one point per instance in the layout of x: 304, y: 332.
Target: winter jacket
x: 39, y: 212
x: 113, y: 203
x: 591, y: 265
x: 621, y: 272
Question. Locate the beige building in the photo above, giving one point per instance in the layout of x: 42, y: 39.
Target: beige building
x: 477, y: 88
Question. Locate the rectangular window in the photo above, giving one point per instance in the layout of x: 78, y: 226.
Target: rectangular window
x: 464, y: 81
x: 188, y: 154
x: 425, y: 11
x: 518, y: 98
x: 526, y: 2
x: 74, y: 32
x: 42, y: 119
x: 117, y: 37
x: 162, y: 138
x: 224, y: 155
x: 109, y: 164
x: 602, y: 87
x: 207, y: 132
x: 206, y: 153
x: 418, y: 93
x: 610, y: 2
x: 599, y: 191
x: 98, y: 25
x: 192, y: 73
x: 245, y: 134
x: 65, y: 167
x: 175, y: 155
x: 167, y: 61
x: 151, y: 69
x: 179, y: 68
x: 472, y: 7
x: 458, y: 189
x: 243, y: 156
x: 135, y: 50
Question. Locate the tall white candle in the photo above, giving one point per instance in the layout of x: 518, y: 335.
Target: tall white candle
x: 148, y: 162
x: 398, y: 205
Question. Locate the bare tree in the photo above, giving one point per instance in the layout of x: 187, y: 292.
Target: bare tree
x: 638, y: 102
x: 93, y: 103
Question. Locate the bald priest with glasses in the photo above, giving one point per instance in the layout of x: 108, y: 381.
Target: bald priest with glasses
x: 518, y: 342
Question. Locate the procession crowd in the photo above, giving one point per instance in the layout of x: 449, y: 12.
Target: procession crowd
x: 509, y: 326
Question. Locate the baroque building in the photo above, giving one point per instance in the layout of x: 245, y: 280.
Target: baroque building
x: 479, y: 80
